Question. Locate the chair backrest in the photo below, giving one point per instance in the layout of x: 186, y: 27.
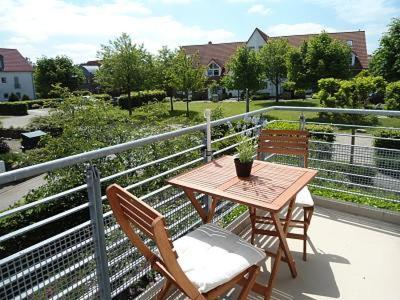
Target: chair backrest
x: 289, y: 142
x: 134, y: 215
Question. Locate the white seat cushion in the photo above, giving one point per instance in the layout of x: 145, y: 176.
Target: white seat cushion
x: 211, y: 256
x: 304, y: 198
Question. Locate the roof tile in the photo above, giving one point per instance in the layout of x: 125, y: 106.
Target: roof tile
x: 14, y: 61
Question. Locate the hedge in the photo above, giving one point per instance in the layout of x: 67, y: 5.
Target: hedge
x: 138, y: 98
x: 261, y: 96
x: 105, y: 97
x: 387, y: 159
x: 19, y: 108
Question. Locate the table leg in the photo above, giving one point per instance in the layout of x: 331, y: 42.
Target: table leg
x: 203, y: 215
x: 211, y: 211
x: 283, y: 247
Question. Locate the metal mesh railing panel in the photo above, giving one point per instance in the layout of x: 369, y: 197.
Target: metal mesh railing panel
x: 61, y: 268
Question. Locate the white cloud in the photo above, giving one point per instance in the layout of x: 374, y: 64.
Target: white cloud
x: 259, y: 9
x: 359, y: 11
x: 300, y: 28
x: 47, y: 27
x: 175, y: 1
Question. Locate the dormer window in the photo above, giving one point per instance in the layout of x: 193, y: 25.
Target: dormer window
x: 350, y: 43
x: 1, y: 63
x: 213, y: 70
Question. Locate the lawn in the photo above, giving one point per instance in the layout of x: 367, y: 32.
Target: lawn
x: 235, y: 108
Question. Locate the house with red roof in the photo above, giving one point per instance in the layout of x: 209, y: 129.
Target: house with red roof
x: 16, y: 75
x: 216, y: 56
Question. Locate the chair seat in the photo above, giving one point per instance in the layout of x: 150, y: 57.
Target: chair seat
x: 211, y: 256
x: 304, y: 198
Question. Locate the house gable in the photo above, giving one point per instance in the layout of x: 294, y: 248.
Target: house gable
x: 257, y: 39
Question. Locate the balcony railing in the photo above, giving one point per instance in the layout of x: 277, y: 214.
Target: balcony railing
x: 79, y: 252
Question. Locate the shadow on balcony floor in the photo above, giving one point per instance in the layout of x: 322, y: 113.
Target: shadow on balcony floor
x: 349, y: 257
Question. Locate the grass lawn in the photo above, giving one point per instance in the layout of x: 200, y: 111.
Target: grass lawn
x: 235, y: 108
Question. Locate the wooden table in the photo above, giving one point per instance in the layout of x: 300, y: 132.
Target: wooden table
x: 271, y: 187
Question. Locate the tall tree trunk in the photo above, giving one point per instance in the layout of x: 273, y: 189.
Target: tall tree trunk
x: 276, y: 91
x: 238, y: 96
x: 187, y: 103
x: 247, y: 101
x: 172, y: 103
x: 129, y: 103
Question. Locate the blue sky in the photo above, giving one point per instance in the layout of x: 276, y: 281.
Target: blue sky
x: 77, y: 27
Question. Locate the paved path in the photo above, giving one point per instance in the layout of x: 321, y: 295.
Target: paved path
x: 23, y: 121
x: 12, y: 193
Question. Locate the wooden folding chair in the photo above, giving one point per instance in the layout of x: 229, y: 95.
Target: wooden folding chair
x: 287, y: 142
x: 204, y: 264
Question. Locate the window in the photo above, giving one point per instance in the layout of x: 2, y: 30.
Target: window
x: 353, y: 59
x: 213, y: 70
x: 350, y: 43
x: 251, y: 48
x: 5, y: 95
x: 3, y: 80
x: 16, y: 83
x: 1, y: 63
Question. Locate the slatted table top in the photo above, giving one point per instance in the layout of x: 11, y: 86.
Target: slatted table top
x: 270, y: 186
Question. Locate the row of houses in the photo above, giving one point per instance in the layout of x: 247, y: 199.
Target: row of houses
x: 16, y: 72
x: 216, y: 56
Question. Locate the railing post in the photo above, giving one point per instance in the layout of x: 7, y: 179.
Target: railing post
x: 208, y: 154
x: 96, y: 216
x: 302, y: 126
x: 302, y: 121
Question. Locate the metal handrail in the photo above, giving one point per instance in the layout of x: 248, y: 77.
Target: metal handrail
x: 102, y: 152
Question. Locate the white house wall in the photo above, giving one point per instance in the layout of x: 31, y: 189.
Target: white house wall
x: 25, y: 82
x: 255, y: 41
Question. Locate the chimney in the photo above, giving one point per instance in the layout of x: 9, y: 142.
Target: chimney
x: 209, y: 42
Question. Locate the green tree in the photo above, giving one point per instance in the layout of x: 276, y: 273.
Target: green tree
x: 164, y: 64
x: 245, y: 72
x: 386, y: 59
x: 188, y: 75
x: 273, y: 58
x: 58, y: 70
x: 126, y: 67
x: 319, y: 57
x: 393, y: 96
x: 296, y: 66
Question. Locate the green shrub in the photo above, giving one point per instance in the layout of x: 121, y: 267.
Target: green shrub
x: 13, y: 108
x: 12, y: 160
x: 287, y: 95
x: 4, y: 148
x: 289, y: 86
x: 81, y: 93
x: 392, y: 95
x: 387, y: 160
x: 300, y: 94
x: 139, y: 98
x: 13, y: 97
x: 25, y: 98
x: 260, y: 96
x: 330, y: 85
x: 105, y: 97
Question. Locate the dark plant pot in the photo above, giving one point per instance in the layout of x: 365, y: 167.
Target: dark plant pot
x: 243, y: 169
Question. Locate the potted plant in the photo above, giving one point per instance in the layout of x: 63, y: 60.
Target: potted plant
x: 244, y: 161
